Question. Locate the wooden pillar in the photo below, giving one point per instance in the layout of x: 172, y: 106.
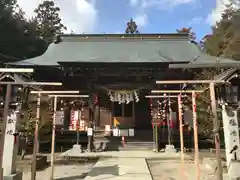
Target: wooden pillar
x: 113, y: 114
x: 133, y: 113
x: 99, y: 114
x: 91, y: 117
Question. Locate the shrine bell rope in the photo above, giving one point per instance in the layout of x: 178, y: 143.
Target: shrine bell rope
x: 211, y: 84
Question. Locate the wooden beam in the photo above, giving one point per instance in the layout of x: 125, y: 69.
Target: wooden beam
x: 162, y: 96
x: 176, y: 91
x: 68, y: 95
x: 33, y: 83
x: 17, y: 70
x: 54, y: 92
x: 191, y: 82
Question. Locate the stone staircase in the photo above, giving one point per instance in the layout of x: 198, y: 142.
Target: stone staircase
x: 143, y: 140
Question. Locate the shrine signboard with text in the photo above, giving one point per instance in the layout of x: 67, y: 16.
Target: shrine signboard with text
x: 10, y: 145
x: 231, y: 135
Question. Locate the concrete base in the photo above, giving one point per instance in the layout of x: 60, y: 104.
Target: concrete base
x: 233, y: 169
x: 78, y: 147
x: 17, y: 176
x: 170, y: 149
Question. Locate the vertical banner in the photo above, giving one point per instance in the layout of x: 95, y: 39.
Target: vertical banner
x: 75, y: 118
x: 59, y: 117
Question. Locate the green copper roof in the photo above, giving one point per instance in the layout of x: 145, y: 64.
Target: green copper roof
x: 207, y: 61
x: 168, y: 48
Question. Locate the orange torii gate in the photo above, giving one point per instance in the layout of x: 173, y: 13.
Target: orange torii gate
x: 193, y: 92
x: 211, y: 87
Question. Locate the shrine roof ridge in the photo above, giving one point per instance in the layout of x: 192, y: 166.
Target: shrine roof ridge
x: 113, y: 48
x: 116, y: 37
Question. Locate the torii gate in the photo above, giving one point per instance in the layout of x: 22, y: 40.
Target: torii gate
x: 211, y: 84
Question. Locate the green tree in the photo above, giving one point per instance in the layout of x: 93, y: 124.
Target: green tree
x: 48, y: 21
x: 28, y: 122
x: 18, y: 38
x: 224, y: 40
x: 132, y: 27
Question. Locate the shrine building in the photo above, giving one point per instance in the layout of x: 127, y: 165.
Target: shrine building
x: 119, y: 69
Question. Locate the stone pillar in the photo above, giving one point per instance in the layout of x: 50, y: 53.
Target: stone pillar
x: 231, y: 138
x: 10, y: 147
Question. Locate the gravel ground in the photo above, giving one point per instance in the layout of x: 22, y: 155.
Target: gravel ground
x: 62, y: 172
x: 169, y: 170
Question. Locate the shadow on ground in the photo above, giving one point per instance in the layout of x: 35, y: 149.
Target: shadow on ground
x: 82, y: 176
x: 106, y: 170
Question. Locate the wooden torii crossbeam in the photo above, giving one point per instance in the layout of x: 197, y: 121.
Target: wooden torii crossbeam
x: 211, y: 86
x: 176, y: 91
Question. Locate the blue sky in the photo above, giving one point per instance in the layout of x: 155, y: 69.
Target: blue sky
x: 152, y: 16
x: 159, y: 18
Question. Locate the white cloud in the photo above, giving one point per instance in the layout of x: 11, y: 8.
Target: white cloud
x: 134, y: 2
x: 159, y: 3
x: 216, y: 13
x: 78, y: 15
x: 143, y: 7
x: 196, y: 20
x: 141, y: 20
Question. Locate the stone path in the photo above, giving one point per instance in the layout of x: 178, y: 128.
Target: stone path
x: 126, y: 165
x: 120, y: 169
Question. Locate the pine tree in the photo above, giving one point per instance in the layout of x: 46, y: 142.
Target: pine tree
x: 48, y: 21
x: 132, y: 27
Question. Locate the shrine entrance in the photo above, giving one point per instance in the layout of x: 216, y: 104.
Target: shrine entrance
x: 130, y: 110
